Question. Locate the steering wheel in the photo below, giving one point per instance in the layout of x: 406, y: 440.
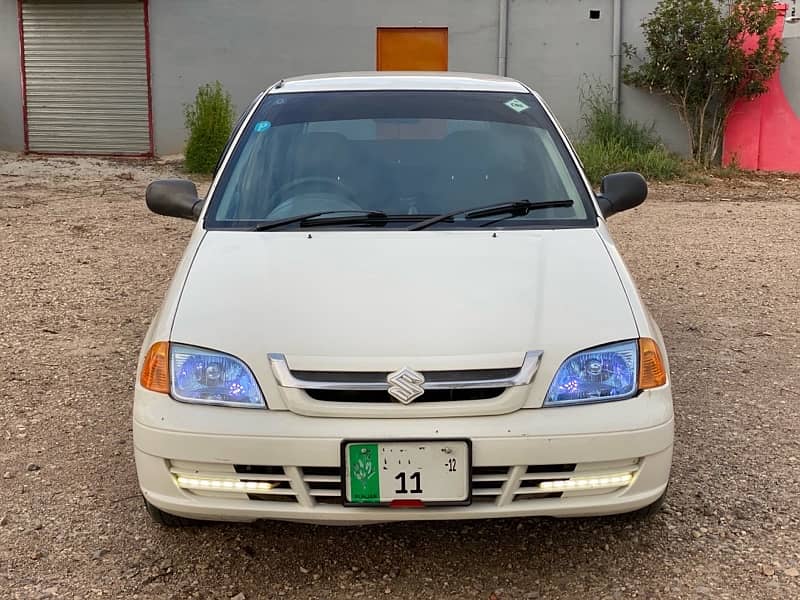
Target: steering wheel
x: 334, y: 185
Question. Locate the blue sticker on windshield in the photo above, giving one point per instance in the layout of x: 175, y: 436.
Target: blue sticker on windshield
x: 262, y: 126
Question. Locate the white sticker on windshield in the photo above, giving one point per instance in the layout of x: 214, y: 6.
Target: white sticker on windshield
x: 517, y: 105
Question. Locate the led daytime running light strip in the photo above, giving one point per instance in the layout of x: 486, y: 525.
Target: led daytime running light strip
x: 223, y: 485
x: 587, y: 483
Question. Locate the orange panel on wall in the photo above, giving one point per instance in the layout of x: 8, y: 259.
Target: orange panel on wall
x: 412, y: 49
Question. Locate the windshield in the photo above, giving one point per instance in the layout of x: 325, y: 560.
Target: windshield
x: 401, y: 153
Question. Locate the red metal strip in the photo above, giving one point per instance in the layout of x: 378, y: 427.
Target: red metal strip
x: 406, y: 504
x: 147, y: 67
x: 23, y: 80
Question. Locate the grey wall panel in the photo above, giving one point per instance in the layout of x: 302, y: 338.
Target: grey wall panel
x: 248, y: 44
x: 790, y: 70
x: 86, y: 76
x: 554, y: 45
x: 640, y: 105
x: 11, y: 133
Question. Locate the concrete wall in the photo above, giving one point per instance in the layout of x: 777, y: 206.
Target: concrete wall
x: 11, y: 132
x: 790, y: 71
x: 557, y: 49
x: 249, y: 44
x: 554, y: 46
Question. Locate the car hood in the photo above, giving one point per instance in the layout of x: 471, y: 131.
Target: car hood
x: 381, y: 300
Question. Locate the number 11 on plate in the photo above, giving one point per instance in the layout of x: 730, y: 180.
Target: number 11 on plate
x: 378, y: 473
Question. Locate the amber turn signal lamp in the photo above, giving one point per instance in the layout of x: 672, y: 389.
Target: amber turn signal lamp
x: 155, y: 371
x: 652, y: 372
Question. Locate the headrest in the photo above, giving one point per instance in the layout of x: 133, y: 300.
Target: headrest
x: 470, y: 148
x: 323, y: 143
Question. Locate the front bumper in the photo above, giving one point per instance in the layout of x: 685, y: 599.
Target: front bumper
x: 510, y: 453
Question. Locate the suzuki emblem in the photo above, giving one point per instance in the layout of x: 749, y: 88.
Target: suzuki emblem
x: 405, y: 385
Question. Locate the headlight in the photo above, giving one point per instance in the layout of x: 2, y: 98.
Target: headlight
x: 207, y: 377
x: 601, y: 374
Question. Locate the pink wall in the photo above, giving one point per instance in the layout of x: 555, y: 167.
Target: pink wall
x: 764, y: 134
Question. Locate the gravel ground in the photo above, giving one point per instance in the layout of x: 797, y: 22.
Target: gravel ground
x: 85, y: 267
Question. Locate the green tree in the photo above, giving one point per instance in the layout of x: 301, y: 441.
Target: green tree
x: 694, y: 56
x: 209, y: 120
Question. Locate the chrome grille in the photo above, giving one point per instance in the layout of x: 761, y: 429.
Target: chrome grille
x: 379, y: 377
x: 378, y: 396
x: 344, y: 381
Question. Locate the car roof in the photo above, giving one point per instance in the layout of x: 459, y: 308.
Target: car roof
x: 399, y: 80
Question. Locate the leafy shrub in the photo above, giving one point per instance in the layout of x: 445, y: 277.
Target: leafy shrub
x: 695, y: 58
x: 609, y: 142
x: 209, y: 120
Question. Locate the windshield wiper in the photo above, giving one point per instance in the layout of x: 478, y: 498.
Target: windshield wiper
x: 517, y: 208
x: 374, y: 219
x: 356, y: 216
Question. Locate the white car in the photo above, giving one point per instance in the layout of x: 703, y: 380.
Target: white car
x: 400, y: 302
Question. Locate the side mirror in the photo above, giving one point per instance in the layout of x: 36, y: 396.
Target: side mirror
x: 174, y: 198
x: 621, y: 191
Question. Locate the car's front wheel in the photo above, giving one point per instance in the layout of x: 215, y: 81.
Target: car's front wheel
x: 167, y: 519
x: 651, y: 509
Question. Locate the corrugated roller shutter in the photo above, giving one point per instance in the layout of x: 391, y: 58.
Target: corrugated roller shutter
x: 86, y: 76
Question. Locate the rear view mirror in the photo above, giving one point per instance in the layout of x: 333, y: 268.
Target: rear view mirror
x: 174, y: 198
x: 621, y: 191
